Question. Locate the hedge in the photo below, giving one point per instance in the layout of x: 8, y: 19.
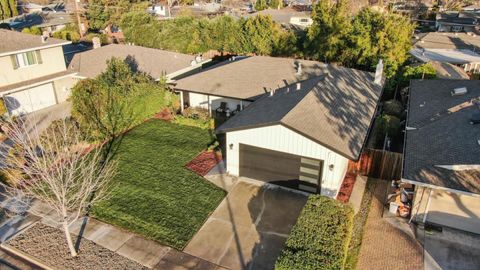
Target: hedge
x: 320, y: 238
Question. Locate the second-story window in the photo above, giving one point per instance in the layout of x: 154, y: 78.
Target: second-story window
x: 26, y: 59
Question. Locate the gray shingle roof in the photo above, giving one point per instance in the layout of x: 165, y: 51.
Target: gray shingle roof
x: 12, y: 41
x: 152, y: 61
x: 442, y: 135
x: 440, y: 40
x: 250, y: 77
x: 335, y: 110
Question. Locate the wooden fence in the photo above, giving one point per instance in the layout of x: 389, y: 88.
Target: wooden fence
x: 378, y: 164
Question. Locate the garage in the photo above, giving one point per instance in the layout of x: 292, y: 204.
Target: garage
x: 280, y: 168
x: 31, y: 99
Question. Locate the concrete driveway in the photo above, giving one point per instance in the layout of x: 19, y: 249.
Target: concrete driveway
x: 450, y: 250
x: 249, y: 228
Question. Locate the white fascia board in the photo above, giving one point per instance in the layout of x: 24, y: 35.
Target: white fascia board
x: 35, y: 48
x: 34, y: 84
x: 439, y: 188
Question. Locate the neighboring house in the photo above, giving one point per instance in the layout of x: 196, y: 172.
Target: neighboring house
x: 455, y: 21
x: 159, y: 10
x: 442, y: 152
x: 449, y: 71
x: 460, y: 49
x: 287, y: 17
x: 46, y: 21
x: 157, y: 63
x: 33, y: 72
x: 298, y: 122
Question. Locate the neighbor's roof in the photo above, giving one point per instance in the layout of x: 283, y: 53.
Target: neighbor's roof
x: 442, y: 135
x: 15, y: 42
x: 334, y: 110
x: 152, y: 61
x: 281, y: 16
x: 449, y: 71
x: 452, y: 56
x: 250, y: 77
x: 440, y: 40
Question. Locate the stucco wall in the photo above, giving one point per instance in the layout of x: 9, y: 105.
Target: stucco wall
x: 52, y: 62
x: 282, y: 139
x: 63, y: 88
x: 448, y: 209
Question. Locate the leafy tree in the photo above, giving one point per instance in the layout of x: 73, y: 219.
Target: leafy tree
x: 101, y: 13
x: 376, y: 36
x: 261, y: 5
x: 116, y: 100
x: 227, y: 35
x: 263, y: 34
x: 331, y: 24
x: 70, y: 32
x: 8, y: 9
x: 34, y: 30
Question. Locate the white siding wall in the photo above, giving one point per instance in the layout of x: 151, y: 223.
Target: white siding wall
x: 201, y: 100
x: 282, y: 139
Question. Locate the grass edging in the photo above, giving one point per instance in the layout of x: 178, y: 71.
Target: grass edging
x: 24, y: 256
x: 359, y: 221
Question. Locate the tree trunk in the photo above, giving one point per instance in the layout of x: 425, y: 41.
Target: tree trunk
x: 73, y: 252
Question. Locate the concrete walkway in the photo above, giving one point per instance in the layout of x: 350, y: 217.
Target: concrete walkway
x: 134, y: 247
x: 386, y: 245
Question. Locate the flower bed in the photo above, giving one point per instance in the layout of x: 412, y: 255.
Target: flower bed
x: 204, y: 162
x: 347, y: 187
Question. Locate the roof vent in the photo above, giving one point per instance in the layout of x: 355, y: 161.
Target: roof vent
x: 272, y: 92
x: 459, y: 91
x: 299, y: 86
x: 44, y: 36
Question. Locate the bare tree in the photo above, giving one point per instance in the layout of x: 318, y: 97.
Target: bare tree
x: 56, y: 170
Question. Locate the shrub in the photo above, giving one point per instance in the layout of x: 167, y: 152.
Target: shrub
x: 70, y: 32
x: 196, y: 113
x: 34, y: 30
x: 393, y: 107
x: 103, y: 37
x: 320, y: 238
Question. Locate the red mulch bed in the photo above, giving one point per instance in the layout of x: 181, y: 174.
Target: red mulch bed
x: 166, y: 115
x: 347, y: 187
x: 204, y: 162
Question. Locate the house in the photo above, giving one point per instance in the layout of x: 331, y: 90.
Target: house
x: 46, y: 21
x: 33, y: 72
x: 442, y: 153
x: 449, y: 71
x: 460, y: 49
x: 288, y: 17
x: 456, y: 21
x: 157, y: 63
x: 298, y: 122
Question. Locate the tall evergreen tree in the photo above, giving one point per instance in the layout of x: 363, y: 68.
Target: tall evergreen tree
x: 331, y: 24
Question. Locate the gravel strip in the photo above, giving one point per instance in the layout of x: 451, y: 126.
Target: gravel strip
x: 48, y: 245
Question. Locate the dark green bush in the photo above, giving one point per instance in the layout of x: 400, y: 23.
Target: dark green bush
x: 320, y: 238
x: 393, y: 107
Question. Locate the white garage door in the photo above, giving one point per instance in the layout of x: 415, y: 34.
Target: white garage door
x: 30, y: 100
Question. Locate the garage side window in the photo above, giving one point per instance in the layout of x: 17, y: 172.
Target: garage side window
x: 26, y: 59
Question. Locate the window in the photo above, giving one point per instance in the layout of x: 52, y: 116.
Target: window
x: 26, y: 59
x: 304, y: 20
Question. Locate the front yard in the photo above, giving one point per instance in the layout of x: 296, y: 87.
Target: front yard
x: 155, y: 195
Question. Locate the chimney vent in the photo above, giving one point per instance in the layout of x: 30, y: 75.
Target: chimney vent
x: 272, y: 92
x: 96, y: 42
x: 379, y: 72
x: 299, y: 86
x: 299, y: 69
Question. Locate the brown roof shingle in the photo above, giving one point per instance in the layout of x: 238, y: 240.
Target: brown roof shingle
x: 335, y: 109
x: 250, y: 77
x: 12, y: 41
x: 152, y: 61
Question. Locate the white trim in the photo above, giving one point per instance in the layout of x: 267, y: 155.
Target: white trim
x: 184, y: 70
x: 439, y: 188
x: 35, y: 48
x: 18, y: 89
x: 425, y: 214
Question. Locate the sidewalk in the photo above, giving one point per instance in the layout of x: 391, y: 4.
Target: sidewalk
x: 386, y: 246
x: 134, y: 247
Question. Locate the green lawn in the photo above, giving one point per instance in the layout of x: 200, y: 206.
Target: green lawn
x: 155, y: 195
